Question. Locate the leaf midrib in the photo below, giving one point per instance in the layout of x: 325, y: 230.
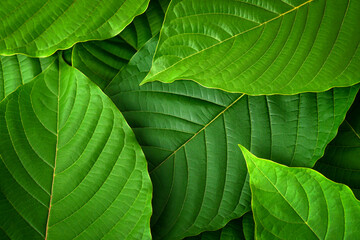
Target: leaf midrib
x: 305, y: 222
x: 197, y: 133
x: 56, y: 153
x: 220, y: 42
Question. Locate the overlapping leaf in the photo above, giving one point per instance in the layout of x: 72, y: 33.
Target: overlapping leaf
x: 39, y: 28
x: 102, y: 60
x: 189, y: 135
x: 341, y: 161
x: 70, y: 165
x: 299, y: 203
x: 18, y: 70
x: 260, y: 47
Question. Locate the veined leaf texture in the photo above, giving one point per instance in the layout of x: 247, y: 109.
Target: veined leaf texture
x: 299, y: 203
x: 186, y: 130
x: 260, y: 47
x: 18, y: 70
x: 47, y: 26
x: 102, y: 60
x: 80, y: 160
x: 74, y: 171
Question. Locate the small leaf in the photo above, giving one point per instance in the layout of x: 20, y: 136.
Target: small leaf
x: 299, y: 203
x: 260, y: 47
x: 341, y: 161
x: 38, y: 28
x: 70, y: 165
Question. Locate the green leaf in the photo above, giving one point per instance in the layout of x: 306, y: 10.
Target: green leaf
x: 18, y: 70
x: 248, y: 226
x: 232, y: 231
x: 70, y: 165
x: 101, y: 60
x: 189, y: 135
x: 341, y: 161
x: 299, y: 203
x: 39, y: 28
x: 260, y: 47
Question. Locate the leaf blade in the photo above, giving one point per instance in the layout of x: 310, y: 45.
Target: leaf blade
x: 281, y: 51
x: 49, y: 26
x: 71, y: 175
x: 301, y: 199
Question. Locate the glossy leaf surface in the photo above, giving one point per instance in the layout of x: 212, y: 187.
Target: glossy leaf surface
x: 39, y: 27
x: 341, y: 161
x: 260, y: 47
x: 70, y: 166
x: 190, y: 134
x: 299, y: 203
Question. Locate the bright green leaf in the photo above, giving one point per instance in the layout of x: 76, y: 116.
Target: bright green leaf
x: 189, y: 135
x: 70, y: 165
x: 341, y: 161
x: 39, y: 27
x: 18, y: 70
x: 260, y: 47
x: 299, y: 203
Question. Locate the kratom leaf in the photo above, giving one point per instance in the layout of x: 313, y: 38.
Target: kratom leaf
x: 299, y: 203
x: 260, y: 47
x: 39, y: 28
x: 18, y: 70
x: 189, y: 135
x: 232, y: 231
x: 101, y: 60
x: 248, y: 226
x: 341, y: 161
x: 70, y: 166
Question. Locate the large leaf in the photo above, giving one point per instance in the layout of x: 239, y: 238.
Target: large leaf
x: 39, y: 27
x: 70, y: 165
x: 102, y: 60
x: 17, y: 70
x: 190, y: 134
x: 299, y: 203
x: 341, y: 161
x: 260, y: 47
